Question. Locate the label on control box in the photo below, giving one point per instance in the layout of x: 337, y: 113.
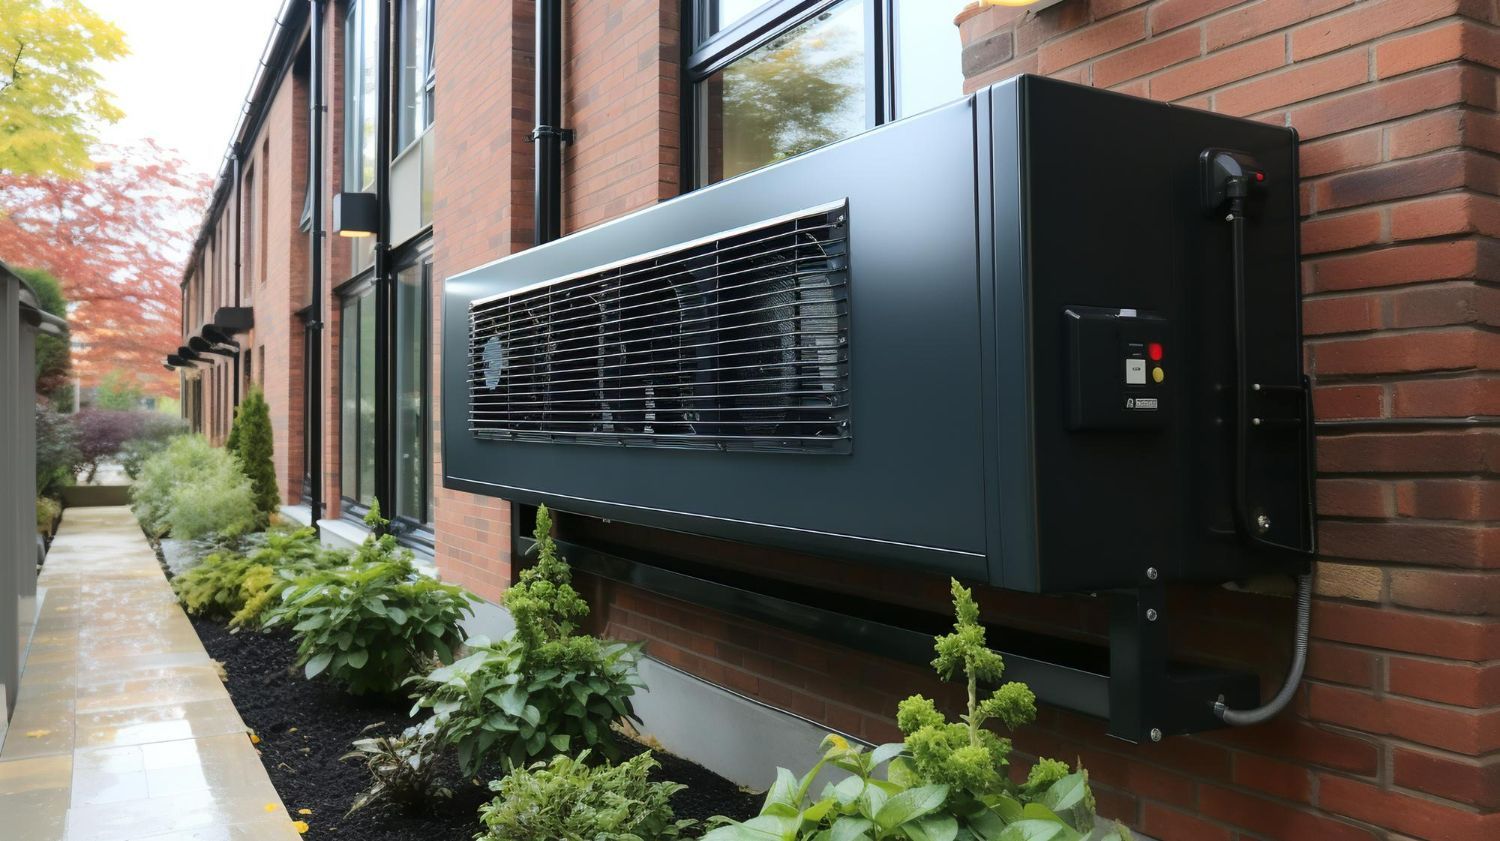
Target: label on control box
x: 1135, y: 372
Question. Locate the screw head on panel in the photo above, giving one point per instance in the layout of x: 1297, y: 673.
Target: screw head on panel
x: 1151, y: 614
x: 1262, y: 522
x: 1156, y: 734
x: 1151, y: 573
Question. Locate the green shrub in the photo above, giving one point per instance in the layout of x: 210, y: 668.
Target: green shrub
x: 250, y: 439
x: 57, y: 455
x: 403, y: 768
x: 947, y: 780
x: 240, y: 586
x: 157, y: 430
x: 542, y: 690
x: 214, y: 588
x: 570, y: 800
x: 47, y: 512
x: 192, y: 489
x: 497, y: 703
x: 371, y: 624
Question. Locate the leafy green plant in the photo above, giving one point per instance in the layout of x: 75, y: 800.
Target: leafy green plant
x: 570, y: 800
x: 371, y: 623
x: 47, y: 512
x: 192, y: 489
x: 544, y: 689
x: 214, y: 588
x: 157, y: 430
x: 403, y: 768
x: 240, y: 583
x: 946, y: 781
x: 496, y: 704
x: 250, y: 439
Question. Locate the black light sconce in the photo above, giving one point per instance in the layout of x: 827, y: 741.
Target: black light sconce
x: 218, y: 336
x: 202, y: 345
x: 355, y: 214
x: 178, y: 361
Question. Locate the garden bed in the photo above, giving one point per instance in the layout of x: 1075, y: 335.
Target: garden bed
x: 305, y: 726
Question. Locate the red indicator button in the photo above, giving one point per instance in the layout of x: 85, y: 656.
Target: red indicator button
x: 1153, y: 350
x: 1260, y: 176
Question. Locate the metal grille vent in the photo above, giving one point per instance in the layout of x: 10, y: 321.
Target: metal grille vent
x: 737, y: 341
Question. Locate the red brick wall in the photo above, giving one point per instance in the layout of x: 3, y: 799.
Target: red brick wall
x: 1396, y: 733
x: 481, y: 211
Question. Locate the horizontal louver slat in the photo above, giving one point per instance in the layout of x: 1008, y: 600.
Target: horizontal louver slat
x: 738, y: 341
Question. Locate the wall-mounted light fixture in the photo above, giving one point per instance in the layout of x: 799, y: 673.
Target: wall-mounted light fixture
x: 355, y: 214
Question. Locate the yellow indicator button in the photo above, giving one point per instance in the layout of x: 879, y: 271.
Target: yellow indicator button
x: 1158, y: 374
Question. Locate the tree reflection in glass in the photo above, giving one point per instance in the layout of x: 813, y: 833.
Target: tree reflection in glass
x: 801, y: 90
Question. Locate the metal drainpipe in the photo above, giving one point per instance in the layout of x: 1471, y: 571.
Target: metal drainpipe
x: 238, y: 225
x: 384, y: 380
x: 314, y: 326
x: 548, y: 135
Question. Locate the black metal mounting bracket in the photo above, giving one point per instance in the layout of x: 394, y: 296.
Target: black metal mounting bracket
x: 1151, y: 697
x: 563, y: 134
x: 1133, y: 684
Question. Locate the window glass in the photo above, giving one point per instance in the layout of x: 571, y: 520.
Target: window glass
x: 412, y: 111
x: 366, y: 400
x: 803, y: 89
x: 725, y: 13
x: 412, y: 355
x: 349, y: 397
x: 361, y: 41
x: 929, y: 55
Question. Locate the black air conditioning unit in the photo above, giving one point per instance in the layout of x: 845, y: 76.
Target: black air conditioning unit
x: 1046, y: 337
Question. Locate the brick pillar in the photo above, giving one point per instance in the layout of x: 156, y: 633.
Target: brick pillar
x: 1397, y: 732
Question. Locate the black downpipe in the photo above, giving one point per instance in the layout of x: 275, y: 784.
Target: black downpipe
x: 238, y: 225
x: 548, y: 135
x: 385, y: 385
x: 314, y: 326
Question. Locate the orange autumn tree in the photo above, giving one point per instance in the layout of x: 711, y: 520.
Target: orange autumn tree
x: 117, y: 238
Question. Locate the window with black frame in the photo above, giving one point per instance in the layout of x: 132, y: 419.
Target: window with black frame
x: 357, y: 315
x: 415, y: 80
x: 775, y: 79
x: 412, y: 433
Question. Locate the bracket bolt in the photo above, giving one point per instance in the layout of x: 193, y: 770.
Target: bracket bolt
x: 1151, y: 614
x: 1151, y: 573
x: 1156, y: 734
x: 1263, y: 522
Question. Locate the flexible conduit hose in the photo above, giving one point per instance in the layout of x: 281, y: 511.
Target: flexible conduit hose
x: 1268, y: 710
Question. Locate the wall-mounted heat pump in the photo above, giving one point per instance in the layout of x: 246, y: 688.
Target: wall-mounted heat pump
x: 1046, y: 337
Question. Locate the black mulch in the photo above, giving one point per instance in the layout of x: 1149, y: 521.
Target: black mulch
x: 305, y: 726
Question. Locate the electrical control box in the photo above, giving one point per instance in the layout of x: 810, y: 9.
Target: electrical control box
x: 1046, y: 337
x: 1117, y: 369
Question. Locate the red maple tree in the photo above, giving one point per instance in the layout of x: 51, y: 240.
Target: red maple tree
x: 117, y: 239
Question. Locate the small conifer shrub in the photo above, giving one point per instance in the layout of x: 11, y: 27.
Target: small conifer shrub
x: 250, y: 439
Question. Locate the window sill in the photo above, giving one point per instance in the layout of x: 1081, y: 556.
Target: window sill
x: 347, y: 534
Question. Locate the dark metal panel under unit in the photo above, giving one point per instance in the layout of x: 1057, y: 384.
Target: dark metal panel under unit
x: 1014, y: 339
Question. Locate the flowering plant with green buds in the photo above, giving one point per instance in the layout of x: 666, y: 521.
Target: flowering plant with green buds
x: 947, y: 781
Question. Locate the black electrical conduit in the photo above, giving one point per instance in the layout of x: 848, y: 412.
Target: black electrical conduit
x: 314, y: 324
x: 1237, y: 189
x: 548, y: 135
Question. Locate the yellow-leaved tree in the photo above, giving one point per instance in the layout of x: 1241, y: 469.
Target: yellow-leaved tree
x: 51, y: 91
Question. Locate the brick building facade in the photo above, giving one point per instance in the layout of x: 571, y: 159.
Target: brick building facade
x: 1395, y: 733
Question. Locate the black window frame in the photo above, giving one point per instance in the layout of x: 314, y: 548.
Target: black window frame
x: 360, y: 287
x: 706, y: 52
x: 408, y: 529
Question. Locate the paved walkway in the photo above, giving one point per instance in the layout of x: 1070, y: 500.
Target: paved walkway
x: 123, y: 729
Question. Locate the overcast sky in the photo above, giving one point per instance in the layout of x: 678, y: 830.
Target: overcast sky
x: 189, y: 68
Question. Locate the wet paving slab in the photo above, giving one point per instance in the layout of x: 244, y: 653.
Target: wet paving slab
x: 123, y: 729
